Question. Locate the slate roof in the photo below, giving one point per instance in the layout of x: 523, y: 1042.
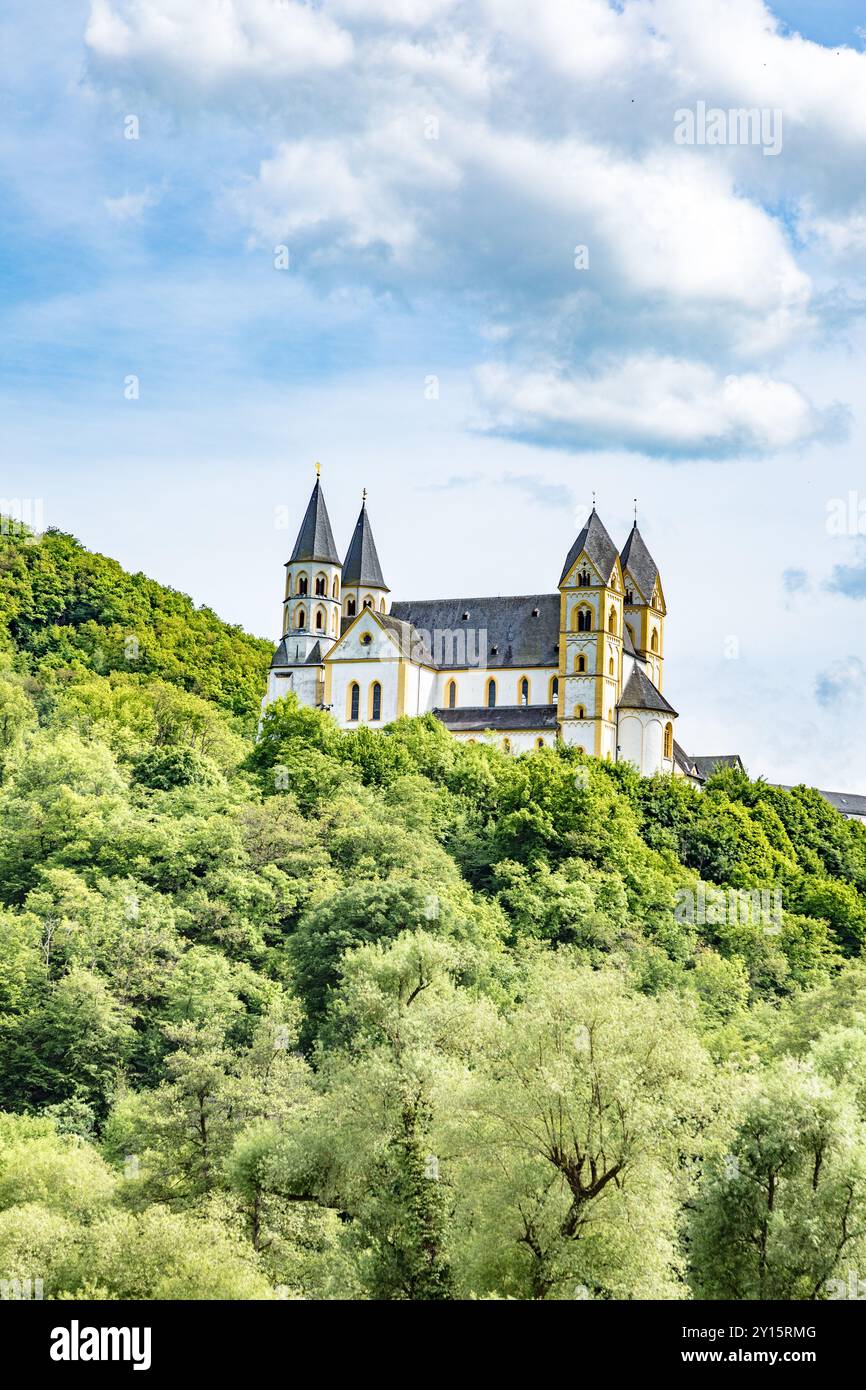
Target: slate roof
x: 288, y: 653
x: 640, y: 693
x: 598, y: 546
x: 706, y: 766
x: 636, y: 558
x: 315, y: 538
x: 848, y: 803
x: 683, y: 761
x: 361, y: 565
x: 477, y: 718
x: 522, y: 630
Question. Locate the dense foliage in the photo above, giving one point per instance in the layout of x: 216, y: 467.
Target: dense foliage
x: 383, y: 1016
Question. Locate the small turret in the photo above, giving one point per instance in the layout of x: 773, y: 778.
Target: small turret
x: 590, y: 641
x: 644, y: 603
x: 363, y: 582
x: 311, y: 606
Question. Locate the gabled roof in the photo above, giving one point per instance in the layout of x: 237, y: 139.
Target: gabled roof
x: 598, y: 545
x: 637, y: 560
x: 288, y: 653
x: 640, y: 693
x: 517, y: 631
x: 476, y: 718
x: 361, y: 565
x: 706, y: 766
x: 683, y: 761
x: 315, y: 538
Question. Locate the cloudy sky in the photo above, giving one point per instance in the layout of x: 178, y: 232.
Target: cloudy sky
x: 470, y: 256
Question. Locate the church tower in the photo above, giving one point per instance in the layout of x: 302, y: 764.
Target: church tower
x: 591, y: 641
x: 311, y: 606
x: 644, y: 604
x: 363, y: 582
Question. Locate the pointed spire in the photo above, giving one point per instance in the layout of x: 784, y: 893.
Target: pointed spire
x: 361, y: 565
x: 315, y: 538
x: 597, y: 544
x: 640, y: 564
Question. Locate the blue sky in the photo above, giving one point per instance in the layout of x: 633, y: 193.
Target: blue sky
x: 437, y: 336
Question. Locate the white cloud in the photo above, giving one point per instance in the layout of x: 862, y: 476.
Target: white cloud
x: 129, y: 207
x: 413, y: 13
x: 207, y: 44
x: 359, y: 191
x: 655, y: 404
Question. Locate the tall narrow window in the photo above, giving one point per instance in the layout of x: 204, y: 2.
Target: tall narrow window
x: 354, y: 700
x: 669, y: 740
x: 491, y: 694
x: 611, y: 622
x: 654, y: 640
x: 524, y: 691
x: 554, y: 690
x: 610, y: 667
x: 580, y: 712
x: 335, y: 590
x: 584, y: 620
x: 302, y: 584
x: 376, y: 704
x: 321, y: 584
x: 300, y: 618
x: 320, y: 620
x: 350, y: 607
x: 506, y: 745
x: 452, y: 694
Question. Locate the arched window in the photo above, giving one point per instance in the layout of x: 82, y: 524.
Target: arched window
x: 580, y: 712
x: 524, y: 692
x: 610, y: 716
x: 320, y: 620
x: 584, y: 579
x: 302, y: 584
x: 381, y: 605
x: 554, y: 689
x: 611, y: 621
x: 584, y: 620
x: 452, y: 695
x: 610, y: 667
x: 491, y: 693
x: 368, y: 602
x: 506, y: 745
x: 579, y: 749
x: 581, y: 663
x: 539, y: 743
x: 301, y: 618
x: 350, y: 607
x: 376, y: 701
x: 669, y: 740
x: 354, y: 700
x: 335, y: 588
x: 629, y: 596
x: 321, y: 584
x: 654, y: 640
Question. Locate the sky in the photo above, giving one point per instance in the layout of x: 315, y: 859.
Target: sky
x: 485, y: 259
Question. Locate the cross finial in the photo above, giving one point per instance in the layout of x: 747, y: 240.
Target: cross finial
x: 364, y: 495
x: 635, y: 511
x: 593, y: 501
x: 318, y: 468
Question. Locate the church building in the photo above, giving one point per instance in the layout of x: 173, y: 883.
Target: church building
x: 584, y: 664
